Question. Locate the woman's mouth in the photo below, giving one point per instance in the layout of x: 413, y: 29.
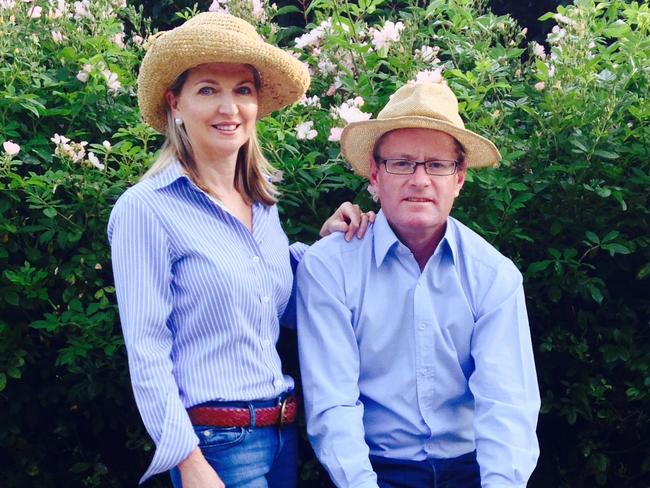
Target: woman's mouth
x: 226, y: 127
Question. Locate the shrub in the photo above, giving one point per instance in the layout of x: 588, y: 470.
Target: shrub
x: 568, y: 204
x: 67, y: 86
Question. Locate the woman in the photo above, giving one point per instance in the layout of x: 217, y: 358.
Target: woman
x: 201, y: 264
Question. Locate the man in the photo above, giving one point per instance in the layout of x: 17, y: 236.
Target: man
x: 415, y: 351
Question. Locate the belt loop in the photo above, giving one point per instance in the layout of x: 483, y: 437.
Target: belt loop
x: 251, y: 409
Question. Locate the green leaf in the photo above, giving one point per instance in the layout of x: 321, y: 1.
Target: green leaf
x: 616, y: 29
x: 606, y: 76
x: 615, y: 248
x: 538, y: 266
x: 644, y: 272
x: 288, y: 9
x: 606, y: 154
x: 577, y: 143
x: 603, y: 192
x: 14, y: 373
x: 592, y: 237
x: 595, y: 293
x: 50, y: 212
x: 611, y: 235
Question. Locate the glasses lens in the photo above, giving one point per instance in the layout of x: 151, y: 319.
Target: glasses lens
x: 400, y: 166
x: 440, y: 168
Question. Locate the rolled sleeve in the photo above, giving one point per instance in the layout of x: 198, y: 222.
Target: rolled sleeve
x: 141, y: 258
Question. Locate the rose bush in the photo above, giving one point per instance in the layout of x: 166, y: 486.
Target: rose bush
x: 568, y: 203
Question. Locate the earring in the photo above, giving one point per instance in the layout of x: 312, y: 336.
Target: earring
x: 178, y: 121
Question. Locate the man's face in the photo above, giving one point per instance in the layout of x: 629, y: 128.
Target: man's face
x: 417, y: 204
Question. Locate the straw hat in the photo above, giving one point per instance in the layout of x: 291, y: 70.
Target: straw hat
x: 214, y: 37
x: 416, y: 105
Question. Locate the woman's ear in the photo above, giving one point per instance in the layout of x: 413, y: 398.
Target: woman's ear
x: 172, y: 100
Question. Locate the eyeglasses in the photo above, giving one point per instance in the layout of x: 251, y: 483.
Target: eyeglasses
x: 434, y: 167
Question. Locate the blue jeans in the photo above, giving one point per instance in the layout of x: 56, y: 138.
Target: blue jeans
x: 251, y: 457
x: 459, y: 472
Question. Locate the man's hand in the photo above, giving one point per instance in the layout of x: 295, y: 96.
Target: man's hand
x: 350, y: 219
x: 196, y: 472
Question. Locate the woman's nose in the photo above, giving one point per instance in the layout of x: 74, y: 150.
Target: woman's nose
x: 227, y: 106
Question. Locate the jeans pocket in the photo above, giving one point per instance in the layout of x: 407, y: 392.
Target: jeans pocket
x: 219, y: 438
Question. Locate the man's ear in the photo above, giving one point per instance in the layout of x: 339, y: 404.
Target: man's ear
x: 460, y: 180
x: 373, y: 171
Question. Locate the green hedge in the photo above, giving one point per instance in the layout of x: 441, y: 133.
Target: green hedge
x: 569, y: 204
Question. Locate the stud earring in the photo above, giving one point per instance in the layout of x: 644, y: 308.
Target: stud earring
x: 178, y: 121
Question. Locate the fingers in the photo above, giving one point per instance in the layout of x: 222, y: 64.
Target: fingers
x: 363, y: 226
x: 349, y: 219
x: 333, y: 225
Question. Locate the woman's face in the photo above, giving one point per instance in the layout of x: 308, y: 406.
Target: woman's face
x: 218, y: 106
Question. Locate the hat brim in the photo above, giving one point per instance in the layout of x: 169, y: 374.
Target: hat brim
x: 284, y: 78
x: 359, y: 138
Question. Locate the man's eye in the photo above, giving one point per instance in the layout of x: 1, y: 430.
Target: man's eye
x: 436, y: 164
x: 401, y: 163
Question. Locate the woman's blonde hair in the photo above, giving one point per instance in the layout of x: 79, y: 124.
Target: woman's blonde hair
x: 253, y: 172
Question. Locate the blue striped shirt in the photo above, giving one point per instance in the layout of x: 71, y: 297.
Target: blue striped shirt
x: 200, y: 300
x: 411, y: 364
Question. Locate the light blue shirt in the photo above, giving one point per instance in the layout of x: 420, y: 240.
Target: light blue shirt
x: 200, y: 299
x: 413, y: 365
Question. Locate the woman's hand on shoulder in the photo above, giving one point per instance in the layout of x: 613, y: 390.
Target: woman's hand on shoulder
x: 196, y: 472
x: 349, y: 219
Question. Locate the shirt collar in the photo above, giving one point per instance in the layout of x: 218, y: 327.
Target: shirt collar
x: 169, y: 175
x: 385, y: 239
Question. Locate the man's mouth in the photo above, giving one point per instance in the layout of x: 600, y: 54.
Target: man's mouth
x: 418, y: 200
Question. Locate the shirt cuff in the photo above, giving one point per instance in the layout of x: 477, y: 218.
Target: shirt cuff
x: 177, y: 440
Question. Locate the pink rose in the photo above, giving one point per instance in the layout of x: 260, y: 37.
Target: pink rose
x: 11, y: 148
x: 335, y: 134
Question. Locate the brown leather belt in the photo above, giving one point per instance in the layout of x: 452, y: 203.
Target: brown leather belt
x: 282, y: 414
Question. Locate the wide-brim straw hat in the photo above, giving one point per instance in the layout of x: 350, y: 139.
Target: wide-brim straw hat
x: 214, y: 37
x: 416, y: 105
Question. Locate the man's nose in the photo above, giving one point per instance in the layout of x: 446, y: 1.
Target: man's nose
x: 420, y: 177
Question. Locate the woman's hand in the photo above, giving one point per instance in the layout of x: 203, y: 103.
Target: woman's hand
x: 196, y: 472
x: 350, y: 219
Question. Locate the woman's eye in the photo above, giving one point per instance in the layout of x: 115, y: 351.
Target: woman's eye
x: 206, y: 90
x: 244, y: 90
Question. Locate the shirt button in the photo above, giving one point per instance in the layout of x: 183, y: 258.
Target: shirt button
x: 265, y: 299
x: 267, y: 342
x: 423, y: 326
x: 256, y: 259
x: 278, y: 383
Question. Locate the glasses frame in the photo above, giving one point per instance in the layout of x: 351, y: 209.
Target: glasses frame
x: 418, y: 163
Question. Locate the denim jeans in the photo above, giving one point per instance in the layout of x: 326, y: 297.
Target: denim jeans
x: 251, y: 457
x: 459, y: 472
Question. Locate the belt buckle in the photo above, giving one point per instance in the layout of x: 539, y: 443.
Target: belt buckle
x: 283, y: 410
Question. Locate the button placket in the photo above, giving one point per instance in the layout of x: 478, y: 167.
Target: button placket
x: 424, y: 324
